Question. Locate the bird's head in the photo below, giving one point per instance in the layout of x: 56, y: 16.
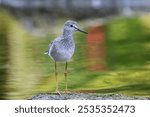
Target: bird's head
x: 72, y: 26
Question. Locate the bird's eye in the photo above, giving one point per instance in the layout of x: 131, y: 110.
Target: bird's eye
x: 71, y: 25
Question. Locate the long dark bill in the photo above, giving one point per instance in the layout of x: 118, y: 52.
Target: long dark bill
x: 80, y: 30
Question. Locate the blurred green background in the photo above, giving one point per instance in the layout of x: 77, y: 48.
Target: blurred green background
x: 113, y: 58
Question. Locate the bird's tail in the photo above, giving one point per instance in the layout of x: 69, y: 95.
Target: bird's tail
x: 46, y: 52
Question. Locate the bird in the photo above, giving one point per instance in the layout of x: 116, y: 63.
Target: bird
x: 62, y: 48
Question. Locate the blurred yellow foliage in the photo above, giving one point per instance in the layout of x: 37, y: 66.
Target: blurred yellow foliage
x: 145, y: 19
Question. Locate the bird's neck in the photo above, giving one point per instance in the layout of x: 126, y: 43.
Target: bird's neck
x: 67, y: 34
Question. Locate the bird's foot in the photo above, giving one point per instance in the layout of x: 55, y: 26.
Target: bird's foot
x: 67, y: 92
x: 57, y: 92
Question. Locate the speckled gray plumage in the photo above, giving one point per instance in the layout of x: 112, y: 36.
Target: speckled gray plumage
x: 62, y: 48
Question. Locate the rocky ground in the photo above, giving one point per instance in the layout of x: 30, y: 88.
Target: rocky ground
x: 85, y: 96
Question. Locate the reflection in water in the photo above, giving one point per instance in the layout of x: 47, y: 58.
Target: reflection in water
x: 25, y: 73
x: 4, y: 58
x: 25, y: 70
x: 95, y: 48
x: 19, y: 73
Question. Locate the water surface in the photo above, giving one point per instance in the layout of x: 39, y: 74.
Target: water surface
x: 113, y: 58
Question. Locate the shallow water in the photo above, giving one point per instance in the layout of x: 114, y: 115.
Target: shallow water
x: 99, y: 65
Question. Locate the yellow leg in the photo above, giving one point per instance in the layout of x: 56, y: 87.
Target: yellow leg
x: 65, y: 73
x: 56, y: 73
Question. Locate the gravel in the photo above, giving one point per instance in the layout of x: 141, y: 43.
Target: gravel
x: 85, y: 96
